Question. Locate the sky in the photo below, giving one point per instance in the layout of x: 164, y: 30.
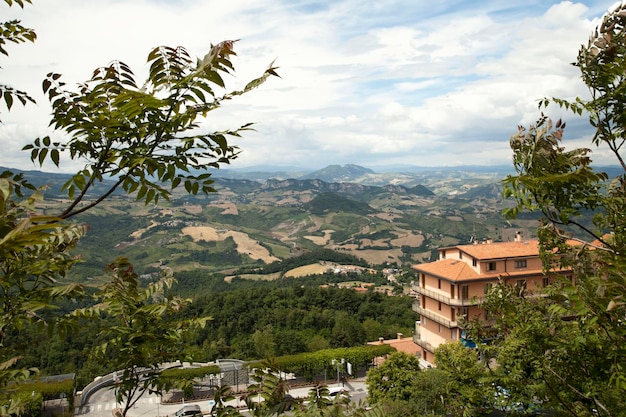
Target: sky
x: 377, y: 83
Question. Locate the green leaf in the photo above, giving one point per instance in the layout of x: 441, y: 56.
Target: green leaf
x: 54, y: 155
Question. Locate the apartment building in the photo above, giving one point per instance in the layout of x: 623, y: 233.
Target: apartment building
x: 455, y: 285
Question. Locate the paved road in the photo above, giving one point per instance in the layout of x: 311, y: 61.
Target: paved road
x: 102, y: 403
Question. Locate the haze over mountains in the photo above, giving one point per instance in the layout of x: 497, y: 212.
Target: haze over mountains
x: 418, y: 180
x: 436, y: 179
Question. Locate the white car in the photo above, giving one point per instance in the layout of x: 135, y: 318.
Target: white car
x: 334, y: 392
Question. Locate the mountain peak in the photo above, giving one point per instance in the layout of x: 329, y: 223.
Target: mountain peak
x: 338, y: 173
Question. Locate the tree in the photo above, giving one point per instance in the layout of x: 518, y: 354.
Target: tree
x: 562, y: 185
x: 400, y: 387
x: 264, y: 342
x: 34, y: 259
x: 469, y: 388
x: 393, y: 379
x: 34, y: 250
x: 142, y: 139
x: 144, y: 334
x: 145, y: 137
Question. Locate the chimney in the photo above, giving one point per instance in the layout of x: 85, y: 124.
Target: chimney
x: 381, y: 340
x: 518, y: 236
x: 400, y: 336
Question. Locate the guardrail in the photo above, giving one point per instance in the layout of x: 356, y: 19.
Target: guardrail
x: 108, y: 380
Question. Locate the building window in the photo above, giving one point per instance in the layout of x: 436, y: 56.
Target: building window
x: 464, y: 311
x: 460, y: 255
x: 453, y: 334
x: 474, y: 262
x: 443, y: 254
x: 423, y: 321
x: 521, y: 263
x: 546, y: 281
x: 464, y: 292
x: 488, y: 287
x: 521, y: 284
x: 439, y: 328
x: 439, y: 305
x: 439, y: 283
x: 492, y: 266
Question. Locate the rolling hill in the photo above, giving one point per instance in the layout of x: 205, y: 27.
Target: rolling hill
x: 253, y: 222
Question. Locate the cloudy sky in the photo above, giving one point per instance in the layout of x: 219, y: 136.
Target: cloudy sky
x: 369, y: 82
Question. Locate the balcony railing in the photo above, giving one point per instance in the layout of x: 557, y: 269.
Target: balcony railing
x: 423, y: 343
x: 455, y: 302
x: 434, y: 316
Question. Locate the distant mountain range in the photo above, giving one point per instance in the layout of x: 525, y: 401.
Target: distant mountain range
x: 383, y: 175
x: 335, y: 178
x: 351, y: 179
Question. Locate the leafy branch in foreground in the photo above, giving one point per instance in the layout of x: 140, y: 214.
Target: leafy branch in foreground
x: 146, y: 138
x: 34, y: 259
x: 145, y: 333
x: 12, y: 31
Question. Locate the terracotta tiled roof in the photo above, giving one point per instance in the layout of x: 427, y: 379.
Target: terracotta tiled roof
x: 500, y: 250
x: 452, y: 269
x: 456, y: 270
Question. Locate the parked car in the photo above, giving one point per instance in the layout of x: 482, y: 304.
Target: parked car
x: 192, y: 410
x: 334, y: 392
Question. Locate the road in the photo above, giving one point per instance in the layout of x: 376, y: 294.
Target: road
x: 102, y: 402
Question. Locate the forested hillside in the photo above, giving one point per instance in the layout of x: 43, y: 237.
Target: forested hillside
x: 251, y: 321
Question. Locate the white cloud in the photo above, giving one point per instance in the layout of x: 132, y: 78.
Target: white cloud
x: 392, y: 81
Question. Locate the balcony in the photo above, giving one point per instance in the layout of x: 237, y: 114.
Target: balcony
x: 434, y: 316
x: 423, y: 343
x: 454, y: 302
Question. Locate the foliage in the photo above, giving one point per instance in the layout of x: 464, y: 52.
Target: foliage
x: 541, y: 352
x: 32, y: 403
x: 393, y: 379
x: 562, y: 185
x: 310, y: 362
x: 184, y: 378
x: 145, y: 136
x: 142, y: 136
x: 291, y: 316
x: 12, y: 31
x: 144, y: 335
x: 23, y: 294
x: 34, y: 260
x: 268, y: 385
x: 273, y: 390
x: 333, y: 203
x: 400, y: 387
x: 224, y: 394
x: 468, y: 389
x: 50, y: 390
